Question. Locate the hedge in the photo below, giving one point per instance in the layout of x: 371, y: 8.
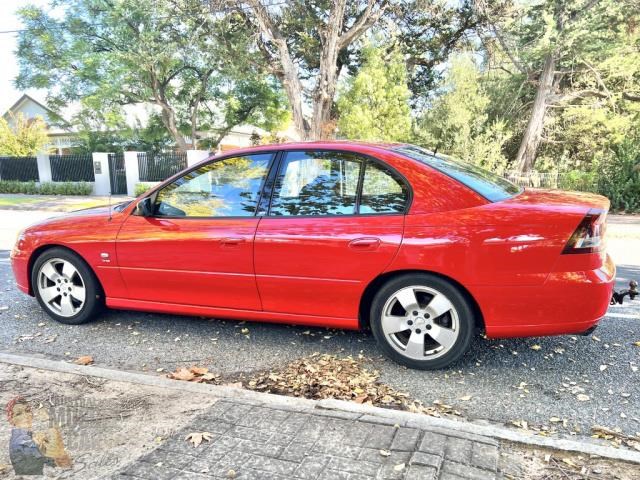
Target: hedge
x: 140, y: 188
x: 46, y: 188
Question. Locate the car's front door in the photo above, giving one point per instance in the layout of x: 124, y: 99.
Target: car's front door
x: 335, y: 222
x: 197, y: 247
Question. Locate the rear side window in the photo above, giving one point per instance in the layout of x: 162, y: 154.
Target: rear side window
x: 491, y: 186
x: 327, y: 182
x: 382, y: 192
x: 317, y: 183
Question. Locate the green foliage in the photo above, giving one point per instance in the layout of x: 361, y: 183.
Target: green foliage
x: 619, y: 178
x: 374, y: 105
x: 458, y: 123
x: 578, y: 180
x: 201, y: 71
x: 46, y: 188
x: 140, y: 188
x: 20, y: 137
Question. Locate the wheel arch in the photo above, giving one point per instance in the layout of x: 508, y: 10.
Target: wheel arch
x: 373, y: 287
x: 43, y: 248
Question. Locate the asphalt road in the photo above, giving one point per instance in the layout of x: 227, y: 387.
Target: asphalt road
x: 507, y: 380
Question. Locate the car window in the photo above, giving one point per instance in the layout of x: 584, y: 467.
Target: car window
x: 317, y: 183
x: 488, y: 184
x: 223, y: 188
x: 382, y: 192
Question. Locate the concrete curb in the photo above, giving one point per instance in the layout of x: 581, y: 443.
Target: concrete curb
x: 342, y: 408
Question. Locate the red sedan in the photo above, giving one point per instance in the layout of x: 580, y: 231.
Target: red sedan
x: 425, y: 250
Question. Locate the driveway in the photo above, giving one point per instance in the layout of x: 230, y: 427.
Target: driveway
x: 536, y: 380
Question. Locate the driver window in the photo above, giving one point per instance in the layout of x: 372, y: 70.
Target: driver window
x: 223, y: 188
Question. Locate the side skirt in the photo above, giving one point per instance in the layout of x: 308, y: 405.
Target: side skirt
x: 232, y: 314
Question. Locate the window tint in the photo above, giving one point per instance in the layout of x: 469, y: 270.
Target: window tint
x: 491, y: 186
x: 317, y: 183
x: 382, y: 192
x: 223, y: 188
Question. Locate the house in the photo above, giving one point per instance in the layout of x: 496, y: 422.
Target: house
x: 61, y: 139
x: 63, y: 136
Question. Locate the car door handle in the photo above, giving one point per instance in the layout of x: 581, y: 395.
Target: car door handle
x: 230, y: 241
x: 367, y: 243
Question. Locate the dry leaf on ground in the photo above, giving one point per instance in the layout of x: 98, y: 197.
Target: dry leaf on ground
x: 197, y: 437
x: 84, y: 360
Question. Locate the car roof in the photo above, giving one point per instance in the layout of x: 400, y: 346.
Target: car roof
x: 316, y: 144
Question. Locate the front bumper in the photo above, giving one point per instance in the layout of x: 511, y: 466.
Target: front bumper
x: 20, y: 267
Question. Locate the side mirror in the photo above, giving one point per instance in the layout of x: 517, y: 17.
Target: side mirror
x: 144, y: 208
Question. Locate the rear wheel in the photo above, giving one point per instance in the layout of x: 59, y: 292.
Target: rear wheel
x: 65, y: 286
x: 422, y: 321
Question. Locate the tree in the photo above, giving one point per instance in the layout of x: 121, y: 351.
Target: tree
x: 26, y: 137
x: 457, y: 121
x: 199, y: 69
x: 557, y: 47
x: 374, y: 105
x: 307, y: 44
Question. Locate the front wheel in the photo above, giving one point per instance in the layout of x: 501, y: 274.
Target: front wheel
x: 422, y: 321
x: 65, y: 286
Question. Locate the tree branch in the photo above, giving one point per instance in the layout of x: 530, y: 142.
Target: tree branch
x: 365, y: 20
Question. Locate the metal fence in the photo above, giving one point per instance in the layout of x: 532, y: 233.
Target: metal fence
x: 156, y: 167
x: 22, y: 169
x: 72, y: 168
x: 554, y: 180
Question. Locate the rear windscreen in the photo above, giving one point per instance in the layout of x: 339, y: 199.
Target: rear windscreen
x: 491, y: 186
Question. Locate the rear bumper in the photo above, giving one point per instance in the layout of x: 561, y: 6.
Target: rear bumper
x: 567, y: 303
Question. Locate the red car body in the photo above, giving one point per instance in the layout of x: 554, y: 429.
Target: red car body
x: 508, y: 256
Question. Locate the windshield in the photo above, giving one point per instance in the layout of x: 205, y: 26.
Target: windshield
x: 491, y: 186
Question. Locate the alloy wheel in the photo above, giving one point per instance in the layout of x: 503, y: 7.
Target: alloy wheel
x: 420, y: 322
x: 61, y: 287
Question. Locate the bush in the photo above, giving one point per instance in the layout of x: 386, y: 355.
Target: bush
x: 46, y: 188
x: 579, y: 181
x: 140, y: 188
x: 620, y: 178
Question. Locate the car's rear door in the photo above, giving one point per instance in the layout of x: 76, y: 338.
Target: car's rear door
x: 334, y: 223
x: 197, y: 248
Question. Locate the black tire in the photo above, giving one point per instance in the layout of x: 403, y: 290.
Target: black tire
x: 94, y: 297
x: 463, y: 310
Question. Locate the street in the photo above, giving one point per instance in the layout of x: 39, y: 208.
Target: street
x: 537, y: 380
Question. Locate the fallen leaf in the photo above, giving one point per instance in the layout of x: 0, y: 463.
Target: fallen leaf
x: 244, y: 331
x: 197, y: 437
x: 637, y: 344
x: 385, y: 453
x: 199, y: 370
x: 182, y: 374
x: 466, y: 398
x: 603, y: 367
x: 399, y: 467
x: 582, y: 397
x: 231, y: 474
x: 536, y: 347
x: 84, y: 360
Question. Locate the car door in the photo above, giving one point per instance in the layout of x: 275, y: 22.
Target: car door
x: 334, y: 223
x: 197, y: 247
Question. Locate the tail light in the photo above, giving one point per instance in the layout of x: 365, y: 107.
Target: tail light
x: 589, y: 236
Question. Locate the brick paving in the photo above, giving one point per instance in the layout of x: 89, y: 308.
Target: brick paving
x: 255, y: 441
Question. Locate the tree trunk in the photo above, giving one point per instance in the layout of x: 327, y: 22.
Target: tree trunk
x: 526, y: 157
x: 328, y: 74
x: 169, y: 121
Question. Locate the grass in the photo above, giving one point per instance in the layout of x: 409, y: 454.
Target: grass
x: 14, y: 200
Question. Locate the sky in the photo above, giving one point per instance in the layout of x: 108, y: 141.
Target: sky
x: 8, y: 63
